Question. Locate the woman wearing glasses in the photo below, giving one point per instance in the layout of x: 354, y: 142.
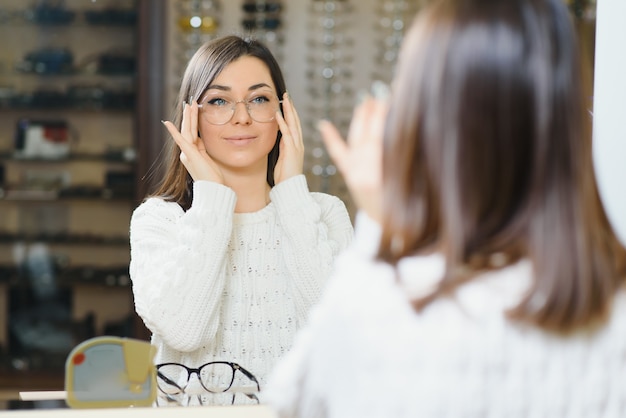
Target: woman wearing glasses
x: 232, y: 249
x: 484, y: 279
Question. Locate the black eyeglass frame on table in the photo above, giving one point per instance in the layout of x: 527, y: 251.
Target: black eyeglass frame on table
x: 197, y: 371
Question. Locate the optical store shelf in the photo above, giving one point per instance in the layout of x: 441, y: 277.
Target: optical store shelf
x: 73, y: 117
x: 118, y: 156
x: 63, y: 238
x: 86, y: 194
x: 111, y: 276
x: 18, y: 381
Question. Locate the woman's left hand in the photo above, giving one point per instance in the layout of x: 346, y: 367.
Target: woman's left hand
x: 291, y: 159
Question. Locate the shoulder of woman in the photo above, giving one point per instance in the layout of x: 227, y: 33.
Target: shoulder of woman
x: 157, y: 205
x: 328, y: 200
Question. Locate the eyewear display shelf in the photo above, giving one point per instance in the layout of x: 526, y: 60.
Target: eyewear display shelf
x: 68, y: 142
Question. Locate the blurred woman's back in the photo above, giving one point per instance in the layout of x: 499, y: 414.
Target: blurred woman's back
x: 495, y: 284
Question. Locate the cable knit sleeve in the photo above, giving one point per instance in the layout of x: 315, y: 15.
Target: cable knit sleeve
x: 317, y: 227
x: 177, y: 262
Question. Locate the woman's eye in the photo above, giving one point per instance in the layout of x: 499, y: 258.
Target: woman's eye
x: 217, y: 102
x: 259, y: 100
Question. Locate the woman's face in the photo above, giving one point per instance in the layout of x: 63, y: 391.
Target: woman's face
x: 241, y: 144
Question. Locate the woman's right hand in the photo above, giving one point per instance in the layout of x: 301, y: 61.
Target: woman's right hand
x: 360, y: 158
x: 193, y: 153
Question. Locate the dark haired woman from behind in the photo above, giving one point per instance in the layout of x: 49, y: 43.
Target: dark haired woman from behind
x: 232, y: 250
x: 484, y: 279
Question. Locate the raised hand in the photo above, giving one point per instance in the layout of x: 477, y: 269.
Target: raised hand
x: 359, y: 159
x: 291, y: 159
x: 193, y: 153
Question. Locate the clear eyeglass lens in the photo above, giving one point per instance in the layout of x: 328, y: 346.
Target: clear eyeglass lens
x: 219, y: 110
x: 216, y: 377
x: 172, y: 379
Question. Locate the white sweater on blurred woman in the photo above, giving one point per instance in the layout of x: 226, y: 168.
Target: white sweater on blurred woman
x: 367, y: 353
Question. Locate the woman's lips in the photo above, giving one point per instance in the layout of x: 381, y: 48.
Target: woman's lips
x: 240, y: 139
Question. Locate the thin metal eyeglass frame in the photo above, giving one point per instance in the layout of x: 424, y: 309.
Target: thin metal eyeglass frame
x: 234, y: 108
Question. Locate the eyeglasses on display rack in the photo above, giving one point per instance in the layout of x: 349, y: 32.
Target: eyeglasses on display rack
x: 218, y: 108
x: 216, y: 377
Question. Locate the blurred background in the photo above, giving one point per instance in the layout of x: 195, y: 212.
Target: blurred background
x: 84, y: 85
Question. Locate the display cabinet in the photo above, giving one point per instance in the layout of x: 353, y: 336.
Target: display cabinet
x: 70, y: 121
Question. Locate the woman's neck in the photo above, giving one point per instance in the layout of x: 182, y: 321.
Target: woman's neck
x: 253, y: 192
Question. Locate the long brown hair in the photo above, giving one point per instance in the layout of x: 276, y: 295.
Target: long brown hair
x: 206, y: 64
x: 487, y: 157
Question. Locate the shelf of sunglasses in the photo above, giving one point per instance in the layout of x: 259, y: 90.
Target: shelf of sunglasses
x: 266, y: 25
x: 113, y: 105
x: 332, y: 94
x: 336, y: 110
x: 330, y: 55
x: 262, y: 14
x: 340, y: 116
x: 405, y: 8
x: 331, y: 6
x: 198, y: 15
x: 262, y: 7
x: 198, y: 6
x: 273, y: 39
x: 318, y: 39
x: 261, y: 23
x: 12, y: 375
x: 83, y: 193
x: 124, y: 157
x: 328, y: 22
x: 63, y: 61
x: 114, y: 276
x: 266, y: 30
x: 57, y: 17
x: 332, y: 91
x: 327, y: 72
x: 327, y: 177
x: 386, y: 59
x: 321, y: 170
x: 391, y: 36
x: 322, y: 39
x: 33, y: 69
x: 65, y: 92
x: 27, y: 365
x: 198, y: 24
x: 186, y: 46
x: 322, y: 55
x: 65, y: 238
x: 395, y: 16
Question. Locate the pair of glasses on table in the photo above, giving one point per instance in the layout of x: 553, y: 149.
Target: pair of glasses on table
x: 214, y: 378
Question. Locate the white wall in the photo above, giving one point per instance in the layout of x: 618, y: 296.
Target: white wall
x: 610, y: 110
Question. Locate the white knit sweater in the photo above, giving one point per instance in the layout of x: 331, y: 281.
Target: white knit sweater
x: 366, y: 353
x: 211, y: 284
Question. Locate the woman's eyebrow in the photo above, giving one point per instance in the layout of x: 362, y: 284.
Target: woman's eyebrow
x: 218, y: 87
x: 227, y: 88
x: 258, y: 86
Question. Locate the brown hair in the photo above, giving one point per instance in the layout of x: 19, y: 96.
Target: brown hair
x: 487, y: 157
x: 206, y: 64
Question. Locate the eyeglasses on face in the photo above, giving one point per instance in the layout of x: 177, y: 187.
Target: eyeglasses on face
x: 218, y: 109
x: 214, y: 377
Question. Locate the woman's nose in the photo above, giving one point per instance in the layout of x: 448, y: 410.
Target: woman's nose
x: 241, y: 114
